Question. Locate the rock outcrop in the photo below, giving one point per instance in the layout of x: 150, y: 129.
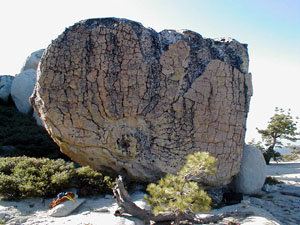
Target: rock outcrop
x: 24, y: 82
x: 253, y: 172
x: 21, y: 89
x: 117, y: 96
x: 33, y: 60
x: 5, y: 86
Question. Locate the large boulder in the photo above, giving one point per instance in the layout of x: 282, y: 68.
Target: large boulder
x: 252, y: 175
x: 118, y: 96
x: 5, y: 86
x: 33, y: 60
x: 22, y: 88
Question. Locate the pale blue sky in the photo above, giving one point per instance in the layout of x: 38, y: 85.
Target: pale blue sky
x: 271, y: 28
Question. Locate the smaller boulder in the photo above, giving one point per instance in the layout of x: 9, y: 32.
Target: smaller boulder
x: 21, y: 89
x: 253, y: 172
x: 5, y: 86
x: 33, y: 60
x: 66, y: 208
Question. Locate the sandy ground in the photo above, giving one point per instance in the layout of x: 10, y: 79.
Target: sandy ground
x: 288, y: 172
x: 269, y: 208
x: 283, y: 203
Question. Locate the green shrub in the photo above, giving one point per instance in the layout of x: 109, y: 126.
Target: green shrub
x: 178, y: 193
x: 23, y: 177
x: 90, y: 182
x: 21, y: 131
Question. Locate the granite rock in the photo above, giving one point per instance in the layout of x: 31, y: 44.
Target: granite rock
x: 22, y: 88
x: 252, y: 175
x: 32, y: 61
x: 118, y: 96
x: 66, y: 208
x: 24, y: 83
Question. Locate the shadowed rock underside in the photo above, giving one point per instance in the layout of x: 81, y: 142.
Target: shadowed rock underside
x: 117, y: 96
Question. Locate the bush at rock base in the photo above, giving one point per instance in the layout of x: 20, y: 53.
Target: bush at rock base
x: 178, y: 193
x: 90, y: 182
x: 21, y: 131
x: 23, y: 177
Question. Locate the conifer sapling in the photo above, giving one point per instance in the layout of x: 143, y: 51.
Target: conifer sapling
x: 178, y: 193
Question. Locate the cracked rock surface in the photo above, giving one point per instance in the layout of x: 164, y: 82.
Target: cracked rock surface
x: 118, y: 96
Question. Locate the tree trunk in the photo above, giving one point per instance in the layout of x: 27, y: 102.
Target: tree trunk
x: 267, y: 157
x: 274, y: 141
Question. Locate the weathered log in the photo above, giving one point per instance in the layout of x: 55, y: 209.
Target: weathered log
x: 127, y: 206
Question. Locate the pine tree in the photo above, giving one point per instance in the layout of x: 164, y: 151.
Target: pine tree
x: 178, y: 193
x: 281, y: 126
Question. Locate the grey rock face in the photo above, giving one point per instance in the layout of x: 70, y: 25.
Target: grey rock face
x: 23, y: 84
x: 22, y: 88
x: 253, y: 172
x: 118, y: 96
x: 5, y: 86
x: 32, y: 61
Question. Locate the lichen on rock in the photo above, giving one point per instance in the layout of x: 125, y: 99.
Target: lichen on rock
x: 118, y: 96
